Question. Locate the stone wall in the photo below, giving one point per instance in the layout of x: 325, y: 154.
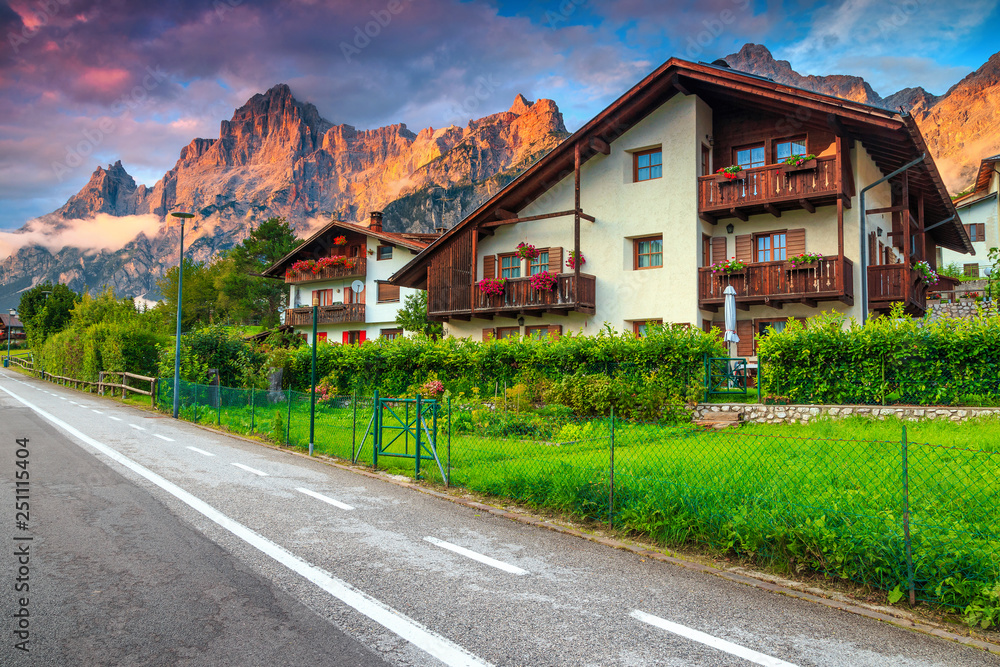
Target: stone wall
x: 966, y: 308
x: 792, y: 414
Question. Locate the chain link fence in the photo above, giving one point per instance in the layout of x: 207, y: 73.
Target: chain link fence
x: 915, y: 520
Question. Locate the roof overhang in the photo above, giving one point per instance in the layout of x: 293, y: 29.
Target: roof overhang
x: 892, y: 140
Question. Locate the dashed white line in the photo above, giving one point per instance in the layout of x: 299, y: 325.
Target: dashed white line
x: 500, y: 565
x: 249, y: 469
x: 61, y: 398
x: 427, y: 640
x: 162, y: 437
x: 74, y: 403
x: 325, y: 499
x: 200, y: 451
x: 709, y: 640
x: 97, y: 411
x: 115, y: 418
x: 136, y: 427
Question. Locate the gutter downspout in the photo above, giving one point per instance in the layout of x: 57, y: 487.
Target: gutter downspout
x: 863, y: 227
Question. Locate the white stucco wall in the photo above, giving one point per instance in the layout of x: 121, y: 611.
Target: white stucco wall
x: 378, y: 316
x: 986, y: 213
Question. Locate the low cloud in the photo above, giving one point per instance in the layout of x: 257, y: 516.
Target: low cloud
x: 103, y: 232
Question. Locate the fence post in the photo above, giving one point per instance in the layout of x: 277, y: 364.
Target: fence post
x: 708, y: 380
x: 100, y: 383
x: 252, y: 410
x: 354, y: 423
x: 218, y: 407
x: 376, y: 429
x: 447, y: 482
x: 906, y: 521
x: 416, y: 447
x: 288, y: 422
x: 611, y: 490
x: 760, y: 375
x: 152, y: 392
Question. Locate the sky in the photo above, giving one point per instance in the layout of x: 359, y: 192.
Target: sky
x: 84, y: 83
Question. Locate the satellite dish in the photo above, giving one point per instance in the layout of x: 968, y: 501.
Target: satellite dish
x: 357, y: 287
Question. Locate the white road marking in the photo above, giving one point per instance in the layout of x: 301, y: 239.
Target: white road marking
x: 320, y: 496
x: 434, y: 644
x: 162, y: 437
x: 97, y: 411
x: 200, y: 451
x: 74, y: 403
x: 506, y: 567
x: 115, y: 418
x: 249, y: 469
x: 709, y: 640
x: 138, y: 428
x: 61, y: 398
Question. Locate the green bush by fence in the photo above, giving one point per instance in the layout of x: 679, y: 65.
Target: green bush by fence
x: 106, y: 346
x: 892, y: 515
x: 891, y: 360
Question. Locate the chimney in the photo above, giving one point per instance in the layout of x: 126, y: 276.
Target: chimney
x: 376, y: 221
x: 440, y: 231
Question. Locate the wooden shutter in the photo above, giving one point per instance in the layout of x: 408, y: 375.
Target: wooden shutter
x: 795, y: 242
x: 556, y: 261
x: 387, y: 292
x: 321, y: 336
x: 744, y: 329
x: 706, y: 325
x: 361, y: 336
x: 329, y: 296
x: 347, y: 338
x: 490, y: 266
x: 744, y: 247
x: 554, y: 330
x: 489, y: 334
x: 720, y: 328
x: 718, y: 249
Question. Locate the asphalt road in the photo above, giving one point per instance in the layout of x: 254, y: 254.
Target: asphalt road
x: 156, y: 542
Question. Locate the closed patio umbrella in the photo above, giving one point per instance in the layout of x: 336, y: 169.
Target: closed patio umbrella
x: 730, y: 337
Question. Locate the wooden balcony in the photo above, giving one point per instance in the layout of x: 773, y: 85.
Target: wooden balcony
x: 337, y: 314
x: 359, y: 270
x: 889, y: 283
x: 770, y: 189
x: 777, y: 283
x: 518, y: 298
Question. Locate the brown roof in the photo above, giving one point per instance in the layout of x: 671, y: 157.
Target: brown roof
x: 7, y: 320
x: 891, y: 140
x: 411, y: 241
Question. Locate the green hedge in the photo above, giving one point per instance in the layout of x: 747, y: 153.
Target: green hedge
x: 106, y: 346
x: 890, y: 360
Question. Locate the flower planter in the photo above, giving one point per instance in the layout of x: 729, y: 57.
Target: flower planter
x: 806, y: 265
x: 808, y: 165
x: 723, y: 178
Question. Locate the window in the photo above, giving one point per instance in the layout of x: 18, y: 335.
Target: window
x: 648, y: 252
x: 976, y: 232
x: 383, y: 252
x: 325, y: 297
x: 640, y: 328
x: 788, y: 148
x: 648, y: 164
x: 706, y: 160
x: 508, y: 332
x: 770, y: 247
x: 510, y: 266
x: 354, y: 337
x: 971, y: 270
x: 750, y: 156
x: 539, y: 264
x: 391, y: 334
x: 387, y: 293
x: 779, y: 326
x: 537, y: 333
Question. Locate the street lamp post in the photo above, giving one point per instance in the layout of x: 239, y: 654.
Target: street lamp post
x: 312, y: 398
x: 180, y: 291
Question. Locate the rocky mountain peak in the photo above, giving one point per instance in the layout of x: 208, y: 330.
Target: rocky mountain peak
x: 520, y: 106
x: 108, y: 191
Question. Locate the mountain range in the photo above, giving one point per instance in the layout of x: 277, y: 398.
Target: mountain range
x: 277, y: 156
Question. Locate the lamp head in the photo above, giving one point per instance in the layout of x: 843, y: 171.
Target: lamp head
x: 315, y: 300
x: 730, y: 229
x: 520, y: 321
x: 182, y: 215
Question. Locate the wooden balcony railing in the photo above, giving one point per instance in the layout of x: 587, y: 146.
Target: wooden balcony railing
x: 518, y: 297
x: 769, y: 189
x: 776, y: 283
x: 889, y: 283
x: 342, y: 313
x: 359, y: 269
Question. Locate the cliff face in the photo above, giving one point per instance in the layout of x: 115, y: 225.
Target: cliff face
x: 278, y: 157
x: 961, y: 127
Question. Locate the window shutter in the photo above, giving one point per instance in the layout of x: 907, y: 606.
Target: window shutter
x: 720, y: 328
x: 718, y: 249
x: 347, y: 338
x: 556, y: 261
x: 387, y: 292
x: 554, y: 330
x: 795, y: 242
x: 706, y: 325
x: 744, y: 247
x: 321, y: 336
x: 490, y: 266
x: 489, y: 334
x: 329, y: 296
x: 744, y: 329
x: 361, y: 336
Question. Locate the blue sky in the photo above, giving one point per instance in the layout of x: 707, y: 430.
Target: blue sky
x: 139, y: 80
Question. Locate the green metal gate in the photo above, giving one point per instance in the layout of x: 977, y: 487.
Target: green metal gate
x: 405, y: 428
x: 725, y: 375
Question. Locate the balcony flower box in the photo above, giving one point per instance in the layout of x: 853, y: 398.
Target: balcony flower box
x: 799, y: 163
x: 728, y: 267
x: 729, y: 174
x: 807, y: 260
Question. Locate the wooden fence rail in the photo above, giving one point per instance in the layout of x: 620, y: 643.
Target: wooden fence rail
x: 125, y: 387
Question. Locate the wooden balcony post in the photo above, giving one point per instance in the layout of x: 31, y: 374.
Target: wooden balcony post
x: 907, y: 234
x: 576, y: 224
